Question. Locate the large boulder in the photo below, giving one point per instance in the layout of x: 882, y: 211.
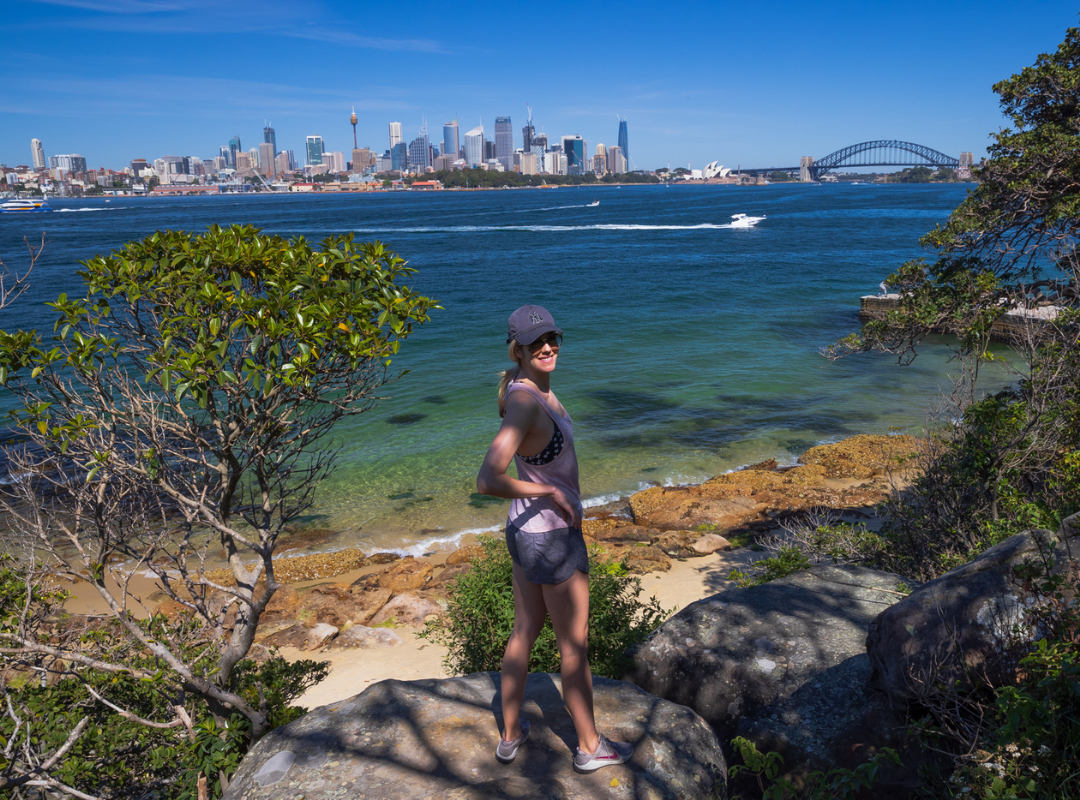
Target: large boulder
x: 968, y: 627
x: 409, y: 608
x: 731, y: 655
x: 340, y: 604
x: 409, y: 740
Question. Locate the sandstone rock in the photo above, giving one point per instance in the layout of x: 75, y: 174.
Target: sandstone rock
x: 682, y: 507
x: 593, y: 527
x: 360, y: 636
x: 340, y: 603
x: 302, y: 637
x: 282, y: 605
x: 626, y: 533
x: 405, y: 575
x: 172, y: 610
x: 268, y: 629
x: 740, y: 650
x: 966, y: 626
x: 710, y: 543
x: 409, y: 608
x: 464, y: 555
x: 861, y: 456
x: 383, y: 558
x: 435, y: 738
x: 449, y: 574
x: 640, y: 560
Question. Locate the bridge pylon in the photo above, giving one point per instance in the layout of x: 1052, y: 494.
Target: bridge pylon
x: 805, y: 165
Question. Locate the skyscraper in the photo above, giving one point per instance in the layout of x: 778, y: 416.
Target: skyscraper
x: 616, y: 161
x: 451, y: 145
x: 399, y: 157
x: 38, y: 153
x: 234, y: 148
x: 314, y: 151
x: 623, y: 141
x: 474, y: 146
x: 573, y: 148
x: 270, y: 138
x: 395, y: 134
x: 600, y: 160
x: 267, y: 156
x: 504, y: 142
x: 528, y: 133
x: 540, y: 140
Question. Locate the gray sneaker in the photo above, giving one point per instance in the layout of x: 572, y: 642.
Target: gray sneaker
x: 607, y: 754
x: 507, y: 751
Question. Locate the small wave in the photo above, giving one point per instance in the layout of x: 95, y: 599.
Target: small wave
x: 542, y: 228
x: 73, y: 210
x: 436, y: 542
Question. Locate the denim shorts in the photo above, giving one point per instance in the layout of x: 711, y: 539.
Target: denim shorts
x: 549, y: 557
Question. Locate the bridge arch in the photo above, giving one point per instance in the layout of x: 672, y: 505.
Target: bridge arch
x: 883, y: 153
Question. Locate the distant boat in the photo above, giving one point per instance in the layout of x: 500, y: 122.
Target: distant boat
x: 743, y: 221
x: 593, y: 203
x: 12, y: 206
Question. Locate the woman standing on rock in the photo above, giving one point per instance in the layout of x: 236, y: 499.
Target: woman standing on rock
x: 543, y: 534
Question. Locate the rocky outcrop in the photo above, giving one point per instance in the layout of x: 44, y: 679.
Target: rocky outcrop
x: 406, y: 574
x: 784, y: 662
x: 862, y: 456
x: 409, y: 608
x: 436, y: 739
x: 360, y: 636
x: 968, y: 627
x: 340, y: 604
x: 302, y: 637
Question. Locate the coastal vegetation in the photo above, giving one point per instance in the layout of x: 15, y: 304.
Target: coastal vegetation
x: 480, y: 616
x: 490, y: 179
x: 177, y: 414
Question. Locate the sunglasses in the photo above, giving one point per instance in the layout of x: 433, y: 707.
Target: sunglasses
x: 552, y: 340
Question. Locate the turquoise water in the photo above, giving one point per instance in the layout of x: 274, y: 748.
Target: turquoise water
x: 691, y: 348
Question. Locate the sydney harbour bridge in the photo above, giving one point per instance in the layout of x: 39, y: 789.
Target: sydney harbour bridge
x: 880, y: 153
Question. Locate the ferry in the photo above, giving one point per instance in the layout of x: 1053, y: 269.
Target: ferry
x: 11, y: 206
x: 743, y: 221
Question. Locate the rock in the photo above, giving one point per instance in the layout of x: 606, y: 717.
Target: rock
x: 861, y: 456
x: 626, y: 533
x: 268, y: 629
x: 464, y: 555
x: 409, y: 608
x: 283, y: 605
x: 361, y: 636
x: 594, y: 527
x: 405, y: 575
x: 302, y: 637
x: 962, y: 628
x: 383, y: 558
x: 407, y: 740
x: 733, y: 653
x: 710, y: 543
x: 678, y: 544
x: 640, y: 560
x: 682, y: 507
x: 338, y: 604
x: 449, y: 574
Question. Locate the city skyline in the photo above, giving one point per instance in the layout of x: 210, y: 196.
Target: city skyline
x: 691, y: 98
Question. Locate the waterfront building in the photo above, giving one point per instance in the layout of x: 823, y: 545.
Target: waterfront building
x: 315, y: 147
x: 383, y: 163
x: 504, y: 142
x: 243, y: 163
x: 420, y: 151
x: 528, y: 164
x: 540, y: 140
x: 444, y: 163
x: 624, y: 143
x: 451, y: 143
x: 226, y: 154
x: 553, y: 163
x: 270, y: 138
x: 599, y: 161
x: 234, y: 148
x: 399, y: 157
x: 474, y: 147
x: 71, y: 164
x: 616, y: 161
x: 255, y: 157
x: 266, y: 158
x: 573, y: 148
x: 363, y: 159
x: 138, y: 165
x: 967, y: 160
x: 494, y: 165
x: 395, y: 134
x: 38, y: 152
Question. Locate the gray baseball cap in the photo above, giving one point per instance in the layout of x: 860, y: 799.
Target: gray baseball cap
x: 529, y: 323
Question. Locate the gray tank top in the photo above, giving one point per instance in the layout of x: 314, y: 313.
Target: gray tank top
x: 540, y: 514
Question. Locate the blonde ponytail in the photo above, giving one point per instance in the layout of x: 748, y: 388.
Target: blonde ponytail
x: 508, y: 377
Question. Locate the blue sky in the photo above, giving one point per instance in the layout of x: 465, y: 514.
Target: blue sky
x: 751, y: 84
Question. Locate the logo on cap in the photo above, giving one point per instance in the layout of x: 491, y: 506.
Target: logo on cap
x: 535, y: 318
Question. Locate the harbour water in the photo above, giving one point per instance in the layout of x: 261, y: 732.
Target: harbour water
x: 691, y: 348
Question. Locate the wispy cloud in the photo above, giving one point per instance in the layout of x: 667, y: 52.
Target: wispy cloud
x: 371, y: 42
x: 117, y: 6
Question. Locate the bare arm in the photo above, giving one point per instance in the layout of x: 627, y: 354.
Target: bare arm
x: 521, y: 416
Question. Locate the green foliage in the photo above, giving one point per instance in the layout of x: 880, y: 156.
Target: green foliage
x: 787, y: 561
x: 480, y: 616
x: 837, y: 783
x: 490, y: 179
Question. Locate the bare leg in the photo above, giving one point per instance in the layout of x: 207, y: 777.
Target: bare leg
x: 568, y: 604
x: 529, y: 615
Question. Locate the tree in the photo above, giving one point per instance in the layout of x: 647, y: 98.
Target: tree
x: 182, y: 407
x: 1012, y: 459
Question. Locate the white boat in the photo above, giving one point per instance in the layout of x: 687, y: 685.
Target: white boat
x: 743, y: 221
x: 593, y: 203
x: 12, y: 206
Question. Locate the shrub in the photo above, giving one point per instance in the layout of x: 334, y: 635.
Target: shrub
x: 480, y: 616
